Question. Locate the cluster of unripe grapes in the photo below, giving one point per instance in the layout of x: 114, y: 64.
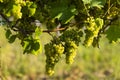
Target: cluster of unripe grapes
x: 53, y: 52
x: 15, y: 8
x: 92, y: 29
x: 114, y: 11
x: 67, y: 44
x: 70, y: 51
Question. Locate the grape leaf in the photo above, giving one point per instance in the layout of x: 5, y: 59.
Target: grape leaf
x: 61, y: 11
x: 8, y: 33
x: 95, y: 3
x: 35, y: 46
x: 98, y: 3
x: 32, y: 9
x: 32, y: 46
x: 68, y: 15
x: 113, y: 33
x: 57, y: 7
x: 26, y: 46
x: 86, y: 1
x: 12, y: 38
x: 38, y: 32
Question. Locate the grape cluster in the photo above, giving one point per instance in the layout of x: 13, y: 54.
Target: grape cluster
x: 72, y: 35
x: 70, y: 51
x: 71, y: 38
x: 19, y: 8
x: 92, y: 29
x: 53, y: 52
x: 66, y: 44
x: 114, y: 11
x: 16, y: 11
x: 13, y: 8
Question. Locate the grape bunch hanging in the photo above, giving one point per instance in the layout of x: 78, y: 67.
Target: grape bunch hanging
x: 66, y: 44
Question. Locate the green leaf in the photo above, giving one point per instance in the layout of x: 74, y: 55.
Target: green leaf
x: 26, y: 46
x: 31, y: 11
x: 38, y: 32
x: 98, y: 3
x: 12, y: 38
x: 36, y: 47
x: 61, y: 11
x: 86, y: 1
x: 32, y: 46
x: 113, y: 33
x: 57, y: 7
x: 8, y: 33
x: 95, y: 3
x: 68, y: 15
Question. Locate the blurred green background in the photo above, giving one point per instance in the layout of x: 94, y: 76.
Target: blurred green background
x: 90, y: 63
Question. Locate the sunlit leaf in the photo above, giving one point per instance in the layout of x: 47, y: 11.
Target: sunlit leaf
x: 38, y: 32
x: 95, y: 3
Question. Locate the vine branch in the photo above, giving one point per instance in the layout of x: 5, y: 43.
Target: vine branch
x: 55, y: 30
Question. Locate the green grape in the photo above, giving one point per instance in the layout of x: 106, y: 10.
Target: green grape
x: 92, y: 30
x: 49, y: 69
x: 70, y: 56
x: 96, y: 42
x: 88, y: 38
x: 16, y: 11
x: 70, y: 51
x: 113, y: 12
x: 59, y: 49
x: 53, y: 53
x: 19, y: 2
x: 71, y: 39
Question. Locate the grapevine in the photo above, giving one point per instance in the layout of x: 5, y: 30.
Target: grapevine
x: 92, y: 30
x: 67, y: 44
x: 76, y: 21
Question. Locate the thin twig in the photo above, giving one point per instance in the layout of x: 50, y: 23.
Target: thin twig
x: 55, y: 30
